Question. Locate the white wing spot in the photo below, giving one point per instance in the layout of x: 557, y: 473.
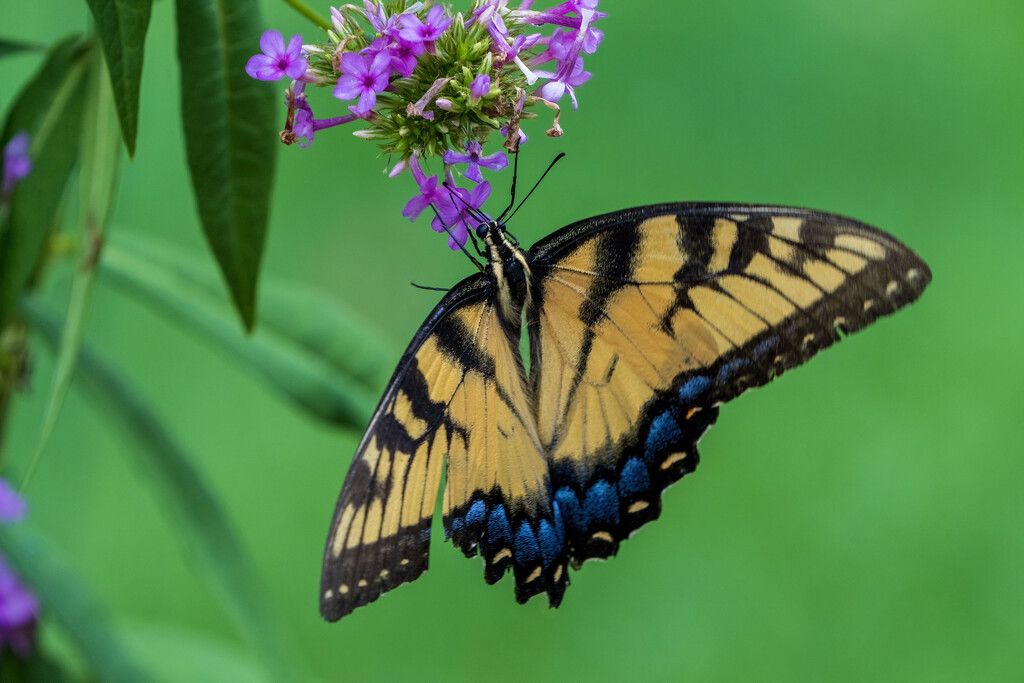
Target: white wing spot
x: 362, y: 583
x: 868, y: 304
x: 808, y: 339
x: 405, y: 561
x: 912, y: 274
x: 839, y: 321
x: 534, y: 575
x: 329, y: 594
x: 343, y: 589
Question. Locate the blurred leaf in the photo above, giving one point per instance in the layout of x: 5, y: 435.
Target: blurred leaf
x: 122, y: 25
x: 229, y: 135
x: 10, y: 47
x: 100, y: 155
x: 316, y: 353
x: 188, y: 656
x: 209, y: 536
x: 66, y: 598
x: 49, y: 109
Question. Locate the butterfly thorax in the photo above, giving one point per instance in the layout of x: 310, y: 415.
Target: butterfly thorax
x: 509, y: 268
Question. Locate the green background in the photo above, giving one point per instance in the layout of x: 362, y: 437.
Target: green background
x: 860, y: 518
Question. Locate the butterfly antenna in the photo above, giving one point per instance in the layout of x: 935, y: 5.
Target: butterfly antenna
x: 461, y: 245
x: 503, y: 218
x: 515, y: 176
x: 432, y: 289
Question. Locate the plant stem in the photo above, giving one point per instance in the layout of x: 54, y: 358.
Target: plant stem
x: 304, y: 9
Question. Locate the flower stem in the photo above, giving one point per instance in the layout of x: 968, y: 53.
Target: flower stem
x: 304, y: 9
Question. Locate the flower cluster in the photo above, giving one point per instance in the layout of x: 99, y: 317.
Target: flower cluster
x: 18, y: 606
x: 427, y: 83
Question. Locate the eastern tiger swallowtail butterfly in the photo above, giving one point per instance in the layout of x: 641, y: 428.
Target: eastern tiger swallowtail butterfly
x: 640, y: 324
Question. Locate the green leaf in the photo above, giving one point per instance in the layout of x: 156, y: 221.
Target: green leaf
x: 310, y: 349
x: 67, y: 599
x: 122, y: 25
x: 229, y: 135
x: 97, y: 185
x: 49, y: 109
x: 208, y: 535
x: 11, y: 47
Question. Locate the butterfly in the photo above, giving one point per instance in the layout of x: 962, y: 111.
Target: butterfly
x: 640, y: 324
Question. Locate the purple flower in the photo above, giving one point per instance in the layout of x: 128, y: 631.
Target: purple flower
x: 495, y: 162
x: 363, y: 79
x: 403, y: 57
x: 277, y: 61
x: 18, y: 606
x: 19, y: 609
x: 481, y: 86
x: 12, y: 506
x: 430, y: 192
x: 553, y: 90
x: 379, y: 19
x: 416, y: 31
x: 459, y: 215
x: 17, y: 163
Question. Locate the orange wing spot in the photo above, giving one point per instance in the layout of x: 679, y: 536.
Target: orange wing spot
x: 691, y: 412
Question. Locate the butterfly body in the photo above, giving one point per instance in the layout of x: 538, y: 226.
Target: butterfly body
x: 640, y: 324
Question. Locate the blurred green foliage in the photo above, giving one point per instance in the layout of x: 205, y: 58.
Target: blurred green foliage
x: 858, y: 519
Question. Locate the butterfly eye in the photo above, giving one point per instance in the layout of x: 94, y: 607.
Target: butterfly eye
x: 481, y: 230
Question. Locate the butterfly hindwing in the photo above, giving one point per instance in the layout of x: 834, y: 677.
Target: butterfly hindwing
x: 646, y: 320
x: 497, y: 499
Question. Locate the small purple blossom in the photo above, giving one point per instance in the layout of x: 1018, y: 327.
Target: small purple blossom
x: 431, y: 192
x: 495, y: 162
x: 459, y: 215
x: 425, y: 32
x: 553, y: 90
x: 362, y: 78
x: 17, y: 163
x: 19, y: 608
x: 12, y: 506
x: 277, y: 61
x: 480, y: 87
x: 379, y: 19
x: 403, y: 57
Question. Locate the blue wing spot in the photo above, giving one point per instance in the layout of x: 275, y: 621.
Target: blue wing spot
x: 730, y: 367
x: 499, y: 532
x: 663, y: 433
x: 569, y: 504
x: 425, y: 535
x: 526, y: 544
x: 601, y: 503
x: 455, y: 527
x: 634, y: 478
x: 765, y: 346
x: 694, y: 387
x: 559, y: 523
x: 550, y: 546
x: 476, y: 513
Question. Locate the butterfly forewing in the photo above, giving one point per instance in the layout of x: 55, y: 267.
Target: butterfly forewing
x: 646, y: 320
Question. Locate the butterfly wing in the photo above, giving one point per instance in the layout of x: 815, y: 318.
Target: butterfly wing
x: 380, y: 533
x: 646, y: 320
x: 458, y: 402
